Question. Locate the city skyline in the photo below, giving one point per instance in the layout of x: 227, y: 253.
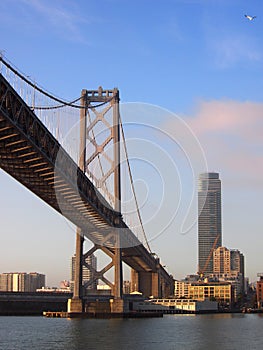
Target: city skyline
x: 190, y: 57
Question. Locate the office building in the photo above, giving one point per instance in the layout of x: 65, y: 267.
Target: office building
x: 221, y: 261
x: 181, y: 289
x: 228, y: 265
x: 36, y: 281
x: 228, y: 261
x: 21, y: 281
x: 237, y: 261
x: 235, y: 279
x: 219, y: 291
x: 237, y: 264
x: 209, y: 220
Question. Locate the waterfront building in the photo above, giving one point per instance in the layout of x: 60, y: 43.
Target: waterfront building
x: 21, y: 281
x: 186, y: 305
x: 209, y: 220
x: 103, y: 289
x: 87, y: 274
x: 51, y: 290
x: 219, y: 291
x: 259, y: 290
x: 181, y: 289
x: 236, y: 280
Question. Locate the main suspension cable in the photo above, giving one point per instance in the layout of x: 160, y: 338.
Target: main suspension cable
x: 36, y: 87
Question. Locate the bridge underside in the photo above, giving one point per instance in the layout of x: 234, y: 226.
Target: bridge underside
x: 31, y: 155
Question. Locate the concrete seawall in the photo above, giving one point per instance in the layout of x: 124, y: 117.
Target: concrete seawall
x: 23, y: 304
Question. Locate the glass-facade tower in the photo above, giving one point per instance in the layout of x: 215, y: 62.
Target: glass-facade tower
x: 209, y: 220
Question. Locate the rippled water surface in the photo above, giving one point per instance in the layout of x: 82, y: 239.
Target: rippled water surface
x: 229, y: 331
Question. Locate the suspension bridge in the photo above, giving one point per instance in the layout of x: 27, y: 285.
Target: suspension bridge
x: 72, y: 155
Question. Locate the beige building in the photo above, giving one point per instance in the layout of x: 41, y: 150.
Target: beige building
x: 228, y: 265
x: 219, y: 291
x: 221, y: 260
x: 21, y: 281
x: 181, y: 289
x: 222, y: 291
x: 187, y: 305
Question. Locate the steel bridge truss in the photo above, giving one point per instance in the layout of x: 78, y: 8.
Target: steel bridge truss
x: 32, y: 155
x: 109, y: 100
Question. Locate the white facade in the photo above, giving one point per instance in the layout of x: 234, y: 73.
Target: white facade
x: 176, y: 304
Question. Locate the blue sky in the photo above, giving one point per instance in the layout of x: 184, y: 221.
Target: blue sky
x: 200, y: 59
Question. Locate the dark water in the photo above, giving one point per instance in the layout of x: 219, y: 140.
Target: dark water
x: 230, y: 331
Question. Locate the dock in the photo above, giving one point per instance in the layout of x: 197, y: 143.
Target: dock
x: 101, y: 315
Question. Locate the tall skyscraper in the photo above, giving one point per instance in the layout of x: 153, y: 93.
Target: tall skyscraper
x: 209, y: 220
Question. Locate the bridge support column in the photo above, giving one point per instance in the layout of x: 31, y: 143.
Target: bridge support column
x: 75, y: 306
x: 146, y: 283
x: 118, y: 273
x: 117, y: 305
x: 76, y: 303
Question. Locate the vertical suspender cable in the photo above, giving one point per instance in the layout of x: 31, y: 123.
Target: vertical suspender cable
x: 132, y: 184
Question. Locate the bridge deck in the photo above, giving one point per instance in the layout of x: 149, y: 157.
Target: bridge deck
x: 30, y: 154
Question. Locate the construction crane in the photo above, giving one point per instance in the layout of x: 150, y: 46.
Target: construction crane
x: 201, y: 273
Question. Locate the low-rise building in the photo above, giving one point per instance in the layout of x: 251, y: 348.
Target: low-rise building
x: 219, y: 291
x: 173, y: 305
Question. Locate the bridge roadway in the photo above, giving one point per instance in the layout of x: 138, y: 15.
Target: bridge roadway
x: 31, y: 154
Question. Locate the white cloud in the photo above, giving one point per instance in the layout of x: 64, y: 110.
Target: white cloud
x: 232, y: 49
x: 61, y: 17
x: 231, y: 134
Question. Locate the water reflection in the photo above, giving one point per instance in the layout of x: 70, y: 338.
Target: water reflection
x: 191, y: 332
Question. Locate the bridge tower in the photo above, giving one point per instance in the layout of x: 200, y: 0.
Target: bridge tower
x: 109, y: 101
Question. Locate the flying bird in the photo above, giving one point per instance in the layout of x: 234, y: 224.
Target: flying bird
x: 250, y: 18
